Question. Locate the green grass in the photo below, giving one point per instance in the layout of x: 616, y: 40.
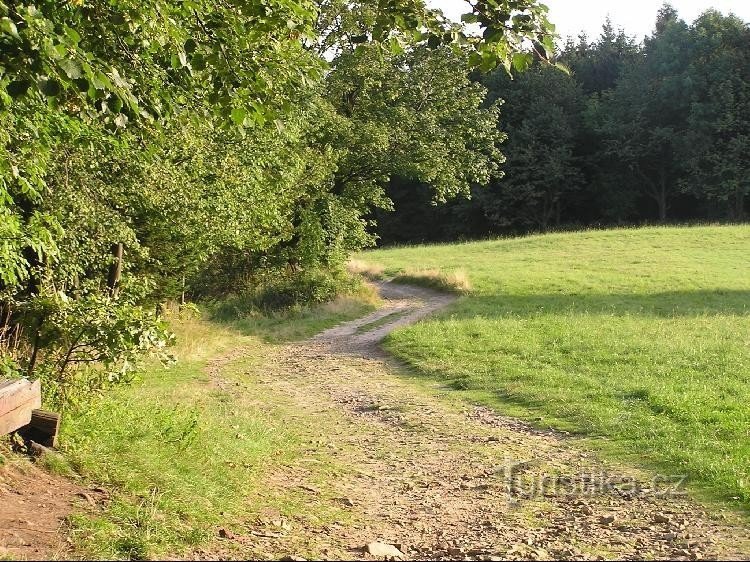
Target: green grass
x: 184, y: 451
x: 640, y: 336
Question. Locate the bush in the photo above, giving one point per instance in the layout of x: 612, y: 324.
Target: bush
x: 85, y: 345
x: 299, y: 290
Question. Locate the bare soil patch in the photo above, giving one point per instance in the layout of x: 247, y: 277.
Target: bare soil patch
x: 34, y: 507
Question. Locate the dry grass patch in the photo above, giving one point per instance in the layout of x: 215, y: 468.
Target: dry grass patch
x: 370, y: 271
x: 452, y: 282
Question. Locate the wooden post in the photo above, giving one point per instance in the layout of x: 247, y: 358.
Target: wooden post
x: 115, y: 269
x: 42, y: 429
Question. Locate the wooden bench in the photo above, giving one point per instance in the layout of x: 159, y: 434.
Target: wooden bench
x: 20, y: 403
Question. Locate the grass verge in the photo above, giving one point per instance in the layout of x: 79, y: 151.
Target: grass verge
x: 639, y: 336
x: 186, y: 449
x: 392, y: 317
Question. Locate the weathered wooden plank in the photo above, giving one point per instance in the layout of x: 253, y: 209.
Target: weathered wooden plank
x: 17, y: 401
x: 15, y: 393
x: 16, y: 419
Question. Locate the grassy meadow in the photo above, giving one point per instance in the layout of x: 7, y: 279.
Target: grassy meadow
x: 641, y: 336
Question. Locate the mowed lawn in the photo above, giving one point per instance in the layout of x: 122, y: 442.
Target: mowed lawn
x: 638, y: 335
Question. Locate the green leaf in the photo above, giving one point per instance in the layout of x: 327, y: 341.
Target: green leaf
x: 8, y: 27
x: 475, y: 59
x: 238, y: 115
x: 395, y: 46
x: 564, y: 68
x: 59, y: 51
x: 522, y: 61
x: 73, y: 35
x: 198, y: 62
x: 71, y: 68
x: 101, y: 81
x: 469, y: 18
x: 549, y: 45
x: 359, y: 39
x: 190, y: 46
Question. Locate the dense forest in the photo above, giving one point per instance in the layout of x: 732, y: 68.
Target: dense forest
x: 158, y: 150
x: 649, y: 132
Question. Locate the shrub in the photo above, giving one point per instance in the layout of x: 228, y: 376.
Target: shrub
x: 86, y: 344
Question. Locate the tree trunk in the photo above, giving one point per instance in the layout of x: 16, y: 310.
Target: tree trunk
x: 662, y: 202
x: 657, y: 191
x: 115, y: 269
x: 661, y: 199
x: 739, y: 205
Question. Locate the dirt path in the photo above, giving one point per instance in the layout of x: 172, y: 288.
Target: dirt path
x: 440, y: 479
x: 393, y: 460
x: 33, y: 508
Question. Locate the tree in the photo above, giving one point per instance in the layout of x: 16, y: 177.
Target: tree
x: 719, y: 123
x: 195, y: 137
x: 642, y: 122
x: 414, y: 117
x: 597, y: 66
x: 542, y: 111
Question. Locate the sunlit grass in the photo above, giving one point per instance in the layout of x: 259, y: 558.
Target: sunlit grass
x: 641, y: 336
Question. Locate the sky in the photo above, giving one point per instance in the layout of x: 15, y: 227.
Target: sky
x: 636, y: 17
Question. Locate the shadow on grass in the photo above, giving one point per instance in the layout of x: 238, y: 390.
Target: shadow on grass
x: 666, y: 304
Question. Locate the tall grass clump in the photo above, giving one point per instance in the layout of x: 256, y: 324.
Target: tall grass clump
x: 450, y: 282
x: 371, y: 271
